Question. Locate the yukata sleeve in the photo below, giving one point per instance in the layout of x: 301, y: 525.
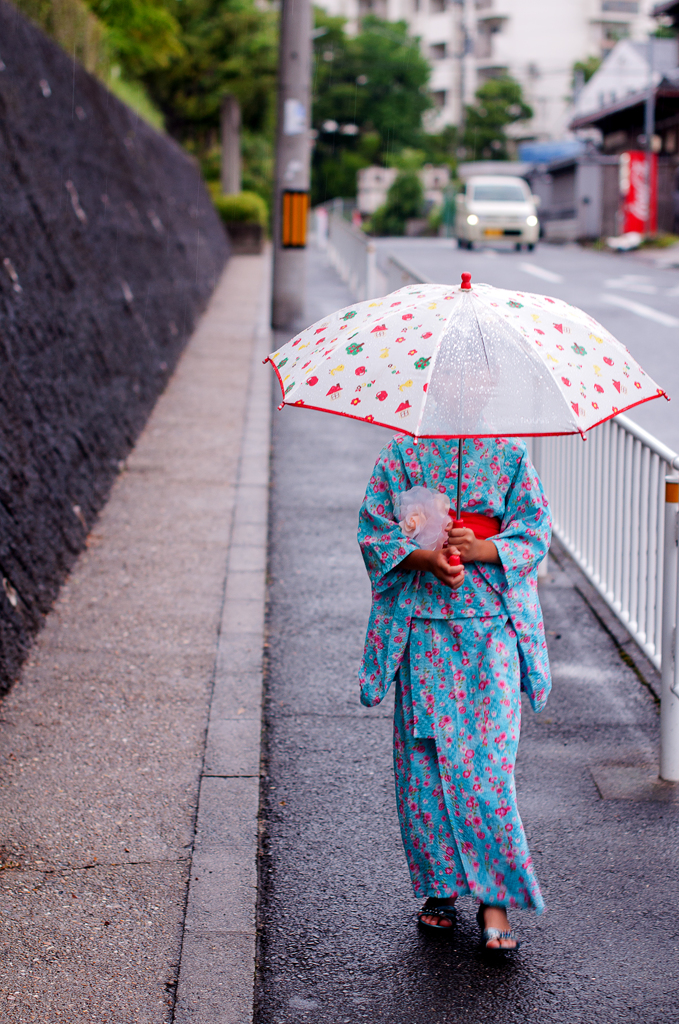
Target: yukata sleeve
x: 526, y: 528
x: 382, y: 543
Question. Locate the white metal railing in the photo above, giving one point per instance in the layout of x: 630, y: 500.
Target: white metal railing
x: 350, y: 251
x: 614, y: 501
x: 615, y: 506
x: 607, y: 496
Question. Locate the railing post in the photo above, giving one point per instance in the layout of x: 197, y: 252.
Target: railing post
x: 536, y: 459
x: 669, y: 699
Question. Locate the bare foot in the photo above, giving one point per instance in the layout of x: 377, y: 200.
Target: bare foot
x: 442, y: 902
x: 496, y: 917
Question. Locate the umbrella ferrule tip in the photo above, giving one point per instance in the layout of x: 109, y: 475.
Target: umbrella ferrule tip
x: 466, y: 285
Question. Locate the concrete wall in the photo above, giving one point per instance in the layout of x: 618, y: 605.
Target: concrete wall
x: 109, y: 250
x: 579, y: 197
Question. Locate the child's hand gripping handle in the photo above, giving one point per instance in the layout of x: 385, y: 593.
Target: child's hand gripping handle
x: 455, y: 559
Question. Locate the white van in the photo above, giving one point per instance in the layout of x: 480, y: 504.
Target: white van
x: 494, y: 208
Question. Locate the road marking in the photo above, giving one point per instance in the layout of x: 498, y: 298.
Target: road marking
x: 632, y: 283
x: 641, y: 310
x: 546, y: 275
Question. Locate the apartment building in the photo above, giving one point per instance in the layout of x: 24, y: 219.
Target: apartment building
x: 535, y: 41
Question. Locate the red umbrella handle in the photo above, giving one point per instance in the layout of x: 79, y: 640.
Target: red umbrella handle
x: 455, y: 559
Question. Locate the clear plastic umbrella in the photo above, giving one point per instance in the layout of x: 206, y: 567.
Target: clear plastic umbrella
x: 433, y: 360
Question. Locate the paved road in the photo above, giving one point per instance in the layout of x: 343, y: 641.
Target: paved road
x: 338, y: 941
x: 636, y: 301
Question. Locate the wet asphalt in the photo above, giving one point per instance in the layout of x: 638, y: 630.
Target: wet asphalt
x: 337, y: 935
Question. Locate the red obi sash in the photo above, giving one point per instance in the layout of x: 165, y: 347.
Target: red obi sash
x: 483, y: 526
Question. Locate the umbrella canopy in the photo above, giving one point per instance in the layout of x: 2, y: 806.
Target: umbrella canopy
x: 433, y: 360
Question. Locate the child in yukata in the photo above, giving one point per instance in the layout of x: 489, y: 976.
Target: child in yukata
x: 460, y: 642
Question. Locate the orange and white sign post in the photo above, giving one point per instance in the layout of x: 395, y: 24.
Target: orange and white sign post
x: 293, y: 151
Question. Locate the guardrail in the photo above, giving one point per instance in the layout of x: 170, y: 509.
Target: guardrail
x: 608, y: 496
x: 355, y: 258
x: 350, y: 251
x: 398, y: 274
x: 614, y: 500
x: 615, y: 505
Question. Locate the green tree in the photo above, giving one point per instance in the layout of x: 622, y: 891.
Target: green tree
x: 370, y: 93
x: 405, y: 199
x: 583, y: 71
x: 142, y: 34
x: 499, y: 102
x: 229, y: 46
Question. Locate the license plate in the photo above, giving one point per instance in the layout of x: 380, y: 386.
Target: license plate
x: 493, y: 232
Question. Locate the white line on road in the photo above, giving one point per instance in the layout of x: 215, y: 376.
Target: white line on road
x: 546, y: 275
x: 632, y: 283
x: 641, y: 310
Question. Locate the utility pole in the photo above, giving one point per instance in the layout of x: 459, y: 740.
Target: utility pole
x: 468, y: 67
x: 291, y: 189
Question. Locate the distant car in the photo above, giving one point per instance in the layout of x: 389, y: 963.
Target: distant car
x: 494, y: 208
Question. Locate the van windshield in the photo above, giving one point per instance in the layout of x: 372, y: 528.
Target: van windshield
x: 499, y: 194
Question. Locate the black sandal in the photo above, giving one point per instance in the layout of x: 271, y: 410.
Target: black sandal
x: 488, y: 934
x: 443, y: 908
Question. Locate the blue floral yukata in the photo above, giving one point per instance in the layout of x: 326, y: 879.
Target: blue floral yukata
x: 460, y: 659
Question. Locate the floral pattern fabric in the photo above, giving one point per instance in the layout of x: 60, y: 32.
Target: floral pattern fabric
x: 460, y: 659
x: 455, y: 791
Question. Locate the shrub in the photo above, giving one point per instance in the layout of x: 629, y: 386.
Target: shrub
x: 242, y: 206
x: 405, y: 199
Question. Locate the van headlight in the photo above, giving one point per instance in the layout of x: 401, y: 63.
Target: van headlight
x: 472, y: 219
x: 531, y: 221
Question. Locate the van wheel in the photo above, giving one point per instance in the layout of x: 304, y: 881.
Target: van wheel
x: 518, y: 246
x: 470, y: 244
x: 531, y: 246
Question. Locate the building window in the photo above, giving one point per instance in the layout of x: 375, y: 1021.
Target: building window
x: 613, y: 32
x: 620, y: 6
x: 484, y: 5
x: 439, y: 97
x: 378, y: 7
x: 485, y: 74
x: 437, y: 6
x: 437, y: 51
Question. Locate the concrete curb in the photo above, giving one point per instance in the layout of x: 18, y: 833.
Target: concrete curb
x: 216, y: 974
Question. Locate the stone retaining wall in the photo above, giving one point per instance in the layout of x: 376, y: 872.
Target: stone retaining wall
x: 109, y: 250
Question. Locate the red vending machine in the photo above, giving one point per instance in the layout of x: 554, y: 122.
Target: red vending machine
x: 639, y: 195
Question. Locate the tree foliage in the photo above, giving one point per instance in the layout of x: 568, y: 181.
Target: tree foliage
x: 229, y: 46
x: 584, y: 69
x: 499, y: 103
x: 142, y: 34
x: 374, y: 85
x: 405, y: 199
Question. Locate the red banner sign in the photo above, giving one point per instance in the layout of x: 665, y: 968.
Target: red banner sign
x: 639, y: 195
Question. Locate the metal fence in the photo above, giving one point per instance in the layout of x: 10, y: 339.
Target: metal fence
x: 608, y: 502
x: 615, y: 505
x: 614, y: 500
x: 350, y: 251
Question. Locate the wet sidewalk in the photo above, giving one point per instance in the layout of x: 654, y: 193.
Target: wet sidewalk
x: 109, y: 794
x: 338, y: 941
